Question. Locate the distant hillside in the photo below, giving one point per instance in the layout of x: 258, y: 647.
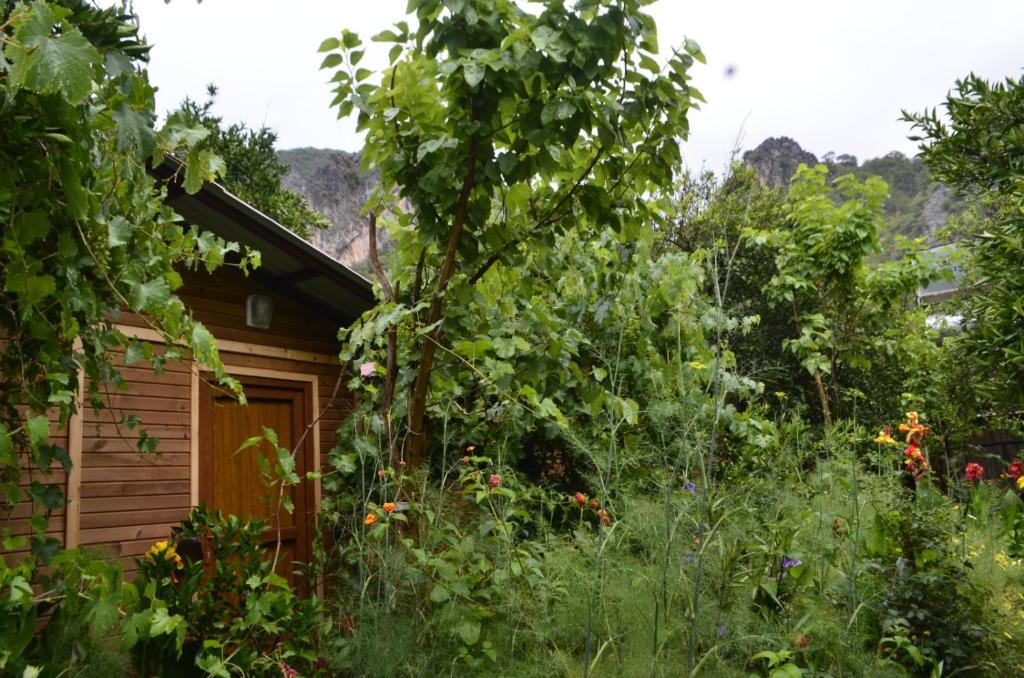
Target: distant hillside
x: 332, y: 183
x: 334, y: 186
x: 917, y: 206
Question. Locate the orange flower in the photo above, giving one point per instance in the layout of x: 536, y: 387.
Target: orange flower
x: 389, y: 506
x: 580, y: 499
x: 605, y: 518
x: 370, y: 520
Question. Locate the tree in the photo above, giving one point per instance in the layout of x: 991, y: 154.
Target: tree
x: 844, y: 311
x: 499, y: 129
x: 978, y: 152
x: 252, y: 169
x: 85, y: 231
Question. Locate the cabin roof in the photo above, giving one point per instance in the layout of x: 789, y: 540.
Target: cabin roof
x: 289, y: 264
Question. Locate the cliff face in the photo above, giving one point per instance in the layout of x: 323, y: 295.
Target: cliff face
x: 777, y: 159
x: 334, y: 186
x: 916, y: 206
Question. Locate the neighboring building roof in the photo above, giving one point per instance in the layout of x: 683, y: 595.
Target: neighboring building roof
x: 289, y: 264
x: 946, y: 256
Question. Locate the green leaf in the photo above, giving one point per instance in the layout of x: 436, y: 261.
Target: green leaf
x: 249, y: 442
x: 150, y: 296
x: 31, y: 288
x: 693, y: 49
x: 119, y: 231
x: 439, y: 594
x: 135, y: 133
x: 38, y: 429
x: 547, y: 39
x: 329, y: 44
x: 473, y: 72
x: 469, y: 631
x: 46, y: 63
x: 31, y: 226
x: 331, y: 61
x: 7, y: 453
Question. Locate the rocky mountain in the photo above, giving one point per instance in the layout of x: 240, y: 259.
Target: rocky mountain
x: 917, y: 206
x: 334, y: 186
x: 776, y: 160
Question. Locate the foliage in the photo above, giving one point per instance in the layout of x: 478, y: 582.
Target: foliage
x: 501, y: 129
x: 462, y: 558
x: 978, y: 152
x: 86, y: 233
x: 252, y: 171
x: 238, y: 617
x: 845, y: 312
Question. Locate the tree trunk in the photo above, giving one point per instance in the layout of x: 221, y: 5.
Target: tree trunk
x: 824, y: 398
x: 416, y: 447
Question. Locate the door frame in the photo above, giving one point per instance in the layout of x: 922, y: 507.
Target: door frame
x: 309, y: 489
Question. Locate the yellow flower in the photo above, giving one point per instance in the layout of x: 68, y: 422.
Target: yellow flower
x: 912, y: 417
x: 780, y: 395
x: 884, y: 438
x: 1001, y: 560
x: 697, y: 365
x: 1020, y: 483
x: 165, y: 550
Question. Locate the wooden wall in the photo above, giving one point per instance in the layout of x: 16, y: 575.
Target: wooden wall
x: 124, y: 501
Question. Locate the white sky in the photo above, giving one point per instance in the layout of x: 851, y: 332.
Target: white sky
x: 833, y: 76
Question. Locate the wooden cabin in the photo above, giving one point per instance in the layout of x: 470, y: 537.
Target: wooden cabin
x: 277, y: 333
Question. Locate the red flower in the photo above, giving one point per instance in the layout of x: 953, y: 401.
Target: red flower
x: 594, y: 504
x: 580, y: 499
x: 495, y: 480
x: 381, y: 473
x: 973, y: 472
x: 1016, y: 469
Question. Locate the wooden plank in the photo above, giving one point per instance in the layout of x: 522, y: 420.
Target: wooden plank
x: 193, y: 448
x: 126, y: 459
x: 107, y: 535
x: 142, y: 404
x: 128, y: 488
x: 56, y: 526
x: 130, y: 549
x: 159, y: 431
x: 23, y: 509
x: 138, y: 377
x: 160, y: 501
x: 73, y: 492
x: 166, y: 446
x: 147, y: 418
x: 244, y: 347
x: 130, y: 518
x: 98, y: 475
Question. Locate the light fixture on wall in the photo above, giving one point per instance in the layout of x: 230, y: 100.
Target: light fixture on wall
x: 259, y: 310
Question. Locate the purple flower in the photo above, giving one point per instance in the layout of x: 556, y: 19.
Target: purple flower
x: 722, y: 631
x: 688, y: 559
x: 691, y: 488
x: 788, y: 562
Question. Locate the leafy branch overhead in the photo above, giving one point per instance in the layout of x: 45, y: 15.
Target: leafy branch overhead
x: 500, y: 130
x: 86, y: 233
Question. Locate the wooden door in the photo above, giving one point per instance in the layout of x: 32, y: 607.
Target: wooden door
x: 233, y: 483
